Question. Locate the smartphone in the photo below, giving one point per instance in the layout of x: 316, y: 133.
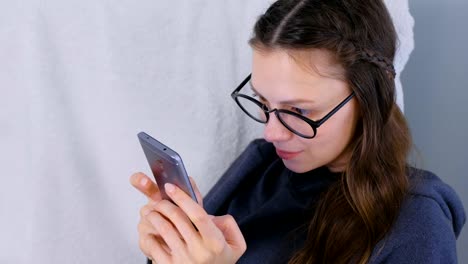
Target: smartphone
x: 166, y: 165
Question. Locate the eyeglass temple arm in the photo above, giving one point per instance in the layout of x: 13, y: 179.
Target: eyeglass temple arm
x: 242, y: 84
x: 325, y: 118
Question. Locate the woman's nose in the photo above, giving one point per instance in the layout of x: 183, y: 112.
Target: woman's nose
x: 275, y: 131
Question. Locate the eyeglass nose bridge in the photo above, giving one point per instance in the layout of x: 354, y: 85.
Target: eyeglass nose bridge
x: 268, y: 112
x: 277, y: 114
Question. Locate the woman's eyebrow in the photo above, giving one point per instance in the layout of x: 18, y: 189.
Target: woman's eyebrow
x: 255, y: 91
x: 288, y: 102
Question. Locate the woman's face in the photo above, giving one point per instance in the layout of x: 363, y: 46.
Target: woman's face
x: 307, y: 82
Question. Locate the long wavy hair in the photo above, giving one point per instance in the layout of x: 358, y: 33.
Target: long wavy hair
x: 356, y: 212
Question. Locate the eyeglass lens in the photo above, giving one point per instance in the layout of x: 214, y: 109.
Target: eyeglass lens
x: 292, y: 122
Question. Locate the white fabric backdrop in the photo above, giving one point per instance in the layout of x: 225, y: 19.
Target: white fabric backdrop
x: 79, y: 80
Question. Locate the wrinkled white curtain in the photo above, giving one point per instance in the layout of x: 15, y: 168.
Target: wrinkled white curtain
x: 79, y: 80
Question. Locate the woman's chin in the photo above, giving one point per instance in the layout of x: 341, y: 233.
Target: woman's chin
x: 299, y: 167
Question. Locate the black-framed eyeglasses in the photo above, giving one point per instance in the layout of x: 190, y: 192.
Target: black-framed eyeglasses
x: 295, y: 122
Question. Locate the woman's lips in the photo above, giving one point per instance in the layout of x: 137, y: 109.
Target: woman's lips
x: 286, y: 155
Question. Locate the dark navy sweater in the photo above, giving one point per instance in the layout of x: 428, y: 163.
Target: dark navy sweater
x: 272, y: 206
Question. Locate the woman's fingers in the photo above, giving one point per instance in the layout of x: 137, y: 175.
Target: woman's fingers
x: 180, y: 220
x: 156, y: 250
x: 145, y: 185
x: 217, y: 233
x: 167, y: 232
x: 231, y: 231
x: 197, y: 191
x: 183, y: 232
x: 146, y: 231
x: 194, y: 212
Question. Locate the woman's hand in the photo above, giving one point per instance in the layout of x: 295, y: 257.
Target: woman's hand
x: 184, y: 233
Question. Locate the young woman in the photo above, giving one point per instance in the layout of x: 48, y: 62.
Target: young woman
x: 329, y: 183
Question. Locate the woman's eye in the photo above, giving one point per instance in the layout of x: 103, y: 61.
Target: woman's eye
x: 301, y: 111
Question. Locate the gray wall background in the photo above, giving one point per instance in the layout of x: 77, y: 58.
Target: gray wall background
x: 435, y: 83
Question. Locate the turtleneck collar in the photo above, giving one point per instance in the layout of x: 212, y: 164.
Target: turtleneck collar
x: 314, y: 181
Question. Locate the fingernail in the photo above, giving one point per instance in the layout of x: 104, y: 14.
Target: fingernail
x: 170, y: 188
x: 143, y: 181
x: 146, y: 212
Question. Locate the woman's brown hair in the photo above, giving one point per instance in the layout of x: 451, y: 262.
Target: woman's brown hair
x: 358, y: 211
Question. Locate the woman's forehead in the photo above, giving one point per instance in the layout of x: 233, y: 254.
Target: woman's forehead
x: 311, y: 61
x: 304, y: 73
